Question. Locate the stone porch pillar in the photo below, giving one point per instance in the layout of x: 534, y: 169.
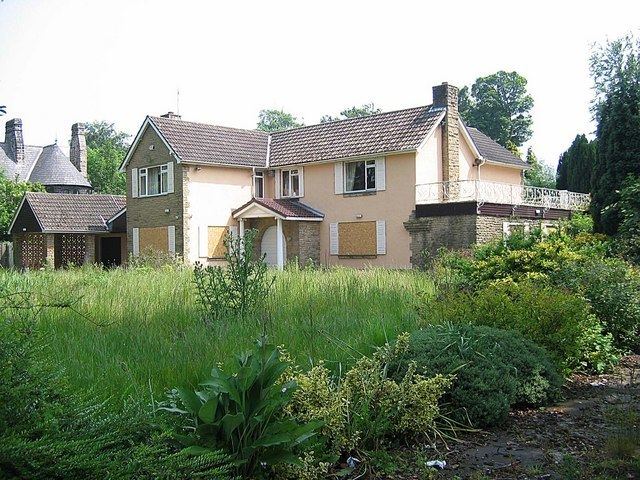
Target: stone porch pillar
x: 90, y: 249
x: 50, y: 249
x: 279, y: 245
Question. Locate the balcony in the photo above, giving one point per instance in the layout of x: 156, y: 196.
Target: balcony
x: 501, y: 193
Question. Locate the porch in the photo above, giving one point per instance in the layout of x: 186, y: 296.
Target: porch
x: 483, y: 192
x: 287, y: 230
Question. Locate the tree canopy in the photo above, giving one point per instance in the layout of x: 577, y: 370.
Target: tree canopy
x: 615, y: 69
x: 540, y: 174
x: 11, y: 193
x: 500, y: 106
x: 106, y: 148
x: 276, y: 120
x: 352, y: 112
x: 575, y: 165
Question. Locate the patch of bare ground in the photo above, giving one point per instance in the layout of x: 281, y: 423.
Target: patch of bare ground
x: 593, y: 434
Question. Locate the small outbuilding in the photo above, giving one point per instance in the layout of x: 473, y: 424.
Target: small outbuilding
x: 62, y: 229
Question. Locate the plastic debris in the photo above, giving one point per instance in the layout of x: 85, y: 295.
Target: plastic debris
x: 352, y: 462
x: 437, y: 464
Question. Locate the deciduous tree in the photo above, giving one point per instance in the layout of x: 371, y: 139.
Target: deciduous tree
x: 106, y: 148
x: 11, y: 193
x: 353, y: 112
x: 276, y: 120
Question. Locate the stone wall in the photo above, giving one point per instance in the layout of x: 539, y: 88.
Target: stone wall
x: 309, y: 240
x: 302, y: 238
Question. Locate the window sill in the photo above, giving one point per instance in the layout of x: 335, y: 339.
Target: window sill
x: 292, y: 197
x: 154, y: 195
x: 358, y: 256
x: 362, y: 193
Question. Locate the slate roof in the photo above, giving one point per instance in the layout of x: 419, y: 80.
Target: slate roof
x: 47, y: 165
x: 396, y: 131
x: 202, y: 143
x: 82, y: 213
x: 286, y: 207
x: 54, y: 168
x: 492, y: 150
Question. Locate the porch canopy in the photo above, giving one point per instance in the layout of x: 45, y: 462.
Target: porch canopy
x: 62, y: 228
x: 282, y: 209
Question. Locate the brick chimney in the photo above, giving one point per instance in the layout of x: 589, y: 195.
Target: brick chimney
x: 13, y: 139
x: 78, y: 148
x: 446, y: 96
x: 172, y: 115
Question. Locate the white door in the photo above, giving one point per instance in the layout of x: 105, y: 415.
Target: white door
x: 268, y: 246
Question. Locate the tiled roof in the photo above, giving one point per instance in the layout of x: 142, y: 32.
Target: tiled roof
x: 54, y: 168
x: 286, y: 207
x: 492, y: 150
x: 202, y: 143
x: 64, y: 212
x: 20, y: 170
x: 385, y: 132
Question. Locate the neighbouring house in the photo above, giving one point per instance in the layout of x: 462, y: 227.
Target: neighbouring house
x: 60, y: 229
x: 47, y: 165
x: 379, y: 190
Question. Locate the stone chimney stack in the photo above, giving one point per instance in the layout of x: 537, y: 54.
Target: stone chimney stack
x: 13, y: 139
x: 446, y: 96
x: 78, y: 148
x: 171, y: 115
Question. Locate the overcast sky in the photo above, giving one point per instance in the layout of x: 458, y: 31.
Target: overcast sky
x: 63, y: 61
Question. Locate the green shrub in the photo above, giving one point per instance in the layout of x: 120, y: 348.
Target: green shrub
x: 242, y: 412
x: 494, y: 370
x: 613, y: 289
x: 557, y: 320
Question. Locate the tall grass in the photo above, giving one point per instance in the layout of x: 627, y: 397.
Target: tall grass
x: 138, y: 332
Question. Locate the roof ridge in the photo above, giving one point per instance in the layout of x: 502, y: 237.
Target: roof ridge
x: 163, y: 119
x: 354, y: 119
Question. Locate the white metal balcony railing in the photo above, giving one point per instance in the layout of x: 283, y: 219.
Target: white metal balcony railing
x: 504, y: 193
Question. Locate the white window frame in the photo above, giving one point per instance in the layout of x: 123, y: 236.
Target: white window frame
x: 368, y: 164
x: 258, y: 174
x: 298, y: 174
x: 143, y: 188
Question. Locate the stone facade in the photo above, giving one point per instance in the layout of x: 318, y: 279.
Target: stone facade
x: 458, y: 232
x: 446, y: 96
x: 302, y: 239
x: 14, y: 140
x: 309, y: 243
x: 159, y: 210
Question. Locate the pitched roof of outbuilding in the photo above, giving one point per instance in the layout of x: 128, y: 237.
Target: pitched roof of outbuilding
x: 63, y: 212
x: 285, y: 207
x: 202, y: 143
x: 492, y: 150
x: 54, y: 168
x: 396, y: 131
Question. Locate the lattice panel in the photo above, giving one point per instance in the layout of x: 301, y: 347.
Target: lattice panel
x: 33, y: 251
x: 72, y: 249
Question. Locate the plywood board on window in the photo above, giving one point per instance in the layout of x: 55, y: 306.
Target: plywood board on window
x: 357, y: 238
x: 154, y: 239
x: 215, y: 242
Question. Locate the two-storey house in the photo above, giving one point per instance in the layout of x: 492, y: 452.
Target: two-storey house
x: 378, y: 190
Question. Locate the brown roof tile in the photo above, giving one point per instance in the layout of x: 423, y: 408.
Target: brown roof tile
x: 286, y: 207
x: 385, y: 132
x: 64, y: 212
x: 492, y: 150
x: 202, y: 143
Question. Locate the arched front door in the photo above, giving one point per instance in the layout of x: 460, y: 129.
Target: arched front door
x: 268, y: 246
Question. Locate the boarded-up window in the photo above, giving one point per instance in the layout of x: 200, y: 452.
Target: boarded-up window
x: 215, y: 242
x: 154, y: 239
x: 357, y: 238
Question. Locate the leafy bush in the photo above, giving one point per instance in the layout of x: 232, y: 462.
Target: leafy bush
x: 559, y: 321
x: 243, y: 412
x: 46, y: 432
x: 494, y: 370
x: 613, y: 289
x: 238, y: 289
x: 366, y: 408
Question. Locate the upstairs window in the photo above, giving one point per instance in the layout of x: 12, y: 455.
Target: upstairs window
x: 258, y: 184
x: 154, y: 180
x: 360, y: 176
x: 291, y: 183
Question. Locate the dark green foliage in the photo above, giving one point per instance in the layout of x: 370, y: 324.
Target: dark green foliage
x: 540, y: 174
x: 575, y: 166
x: 11, y: 193
x: 47, y: 432
x: 353, y: 112
x: 628, y: 206
x: 558, y: 320
x: 106, y: 149
x: 495, y: 370
x: 276, y: 120
x: 615, y: 68
x: 499, y: 106
x: 613, y: 290
x: 243, y: 412
x: 239, y: 288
